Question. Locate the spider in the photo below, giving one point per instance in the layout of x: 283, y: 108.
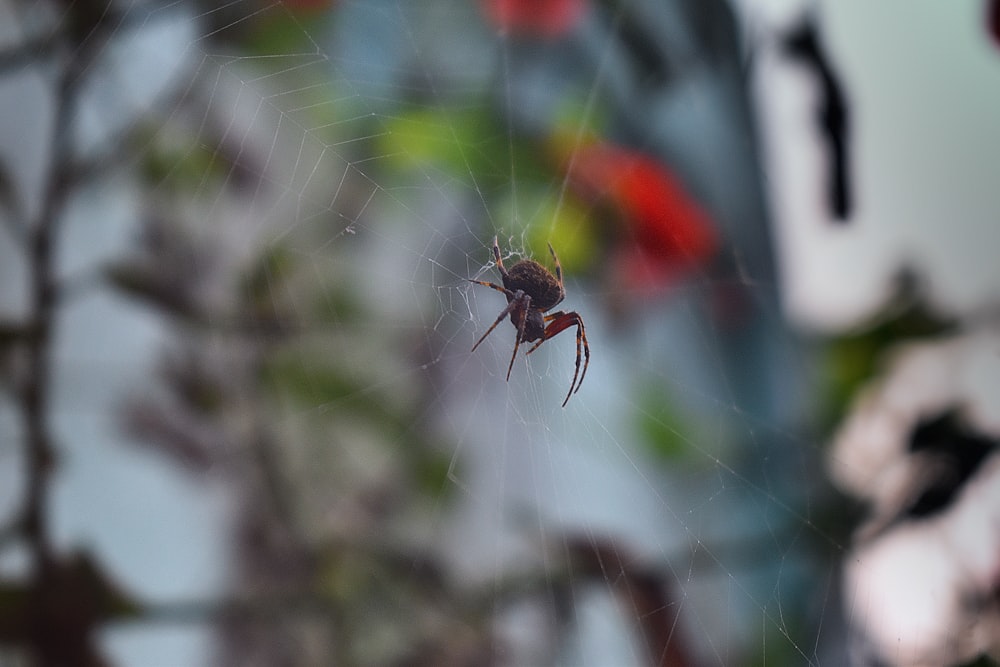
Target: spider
x: 532, y: 291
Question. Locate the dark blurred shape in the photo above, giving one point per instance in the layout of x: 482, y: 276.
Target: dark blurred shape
x: 649, y: 62
x: 832, y: 117
x: 643, y: 593
x: 538, y: 18
x: 957, y: 453
x: 167, y: 271
x: 194, y: 444
x: 993, y: 20
x: 54, y: 617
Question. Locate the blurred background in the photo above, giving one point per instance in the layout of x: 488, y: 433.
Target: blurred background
x: 241, y: 422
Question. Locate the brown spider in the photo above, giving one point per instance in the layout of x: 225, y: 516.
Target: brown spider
x: 531, y: 291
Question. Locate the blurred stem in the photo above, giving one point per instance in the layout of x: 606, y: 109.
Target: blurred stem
x: 35, y: 391
x: 268, y: 608
x: 26, y: 53
x: 275, y: 484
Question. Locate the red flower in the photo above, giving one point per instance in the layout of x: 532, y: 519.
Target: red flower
x: 542, y: 18
x: 664, y: 232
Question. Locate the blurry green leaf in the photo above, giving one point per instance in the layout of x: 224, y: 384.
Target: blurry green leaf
x: 851, y: 361
x: 432, y: 474
x: 566, y: 225
x: 182, y: 166
x: 336, y: 306
x: 662, y: 428
x: 419, y: 137
x: 469, y: 144
x: 578, y: 117
x: 281, y: 32
x: 264, y: 287
x: 344, y: 575
x: 296, y: 376
x: 267, y: 272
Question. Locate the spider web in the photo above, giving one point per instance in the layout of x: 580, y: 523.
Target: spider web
x: 369, y: 154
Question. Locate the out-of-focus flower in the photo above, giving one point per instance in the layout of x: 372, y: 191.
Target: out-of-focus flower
x: 540, y: 18
x: 661, y: 232
x: 922, y: 447
x: 917, y: 592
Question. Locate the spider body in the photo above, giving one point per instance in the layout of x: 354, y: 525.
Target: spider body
x: 527, y: 275
x: 531, y: 292
x: 545, y: 291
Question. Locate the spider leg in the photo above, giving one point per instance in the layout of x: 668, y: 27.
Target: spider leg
x: 559, y: 276
x: 498, y: 288
x: 497, y: 259
x: 513, y: 299
x: 581, y: 338
x: 503, y: 271
x: 555, y: 259
x: 559, y: 322
x: 519, y: 296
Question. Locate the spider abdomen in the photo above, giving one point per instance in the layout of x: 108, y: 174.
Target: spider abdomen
x: 534, y: 280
